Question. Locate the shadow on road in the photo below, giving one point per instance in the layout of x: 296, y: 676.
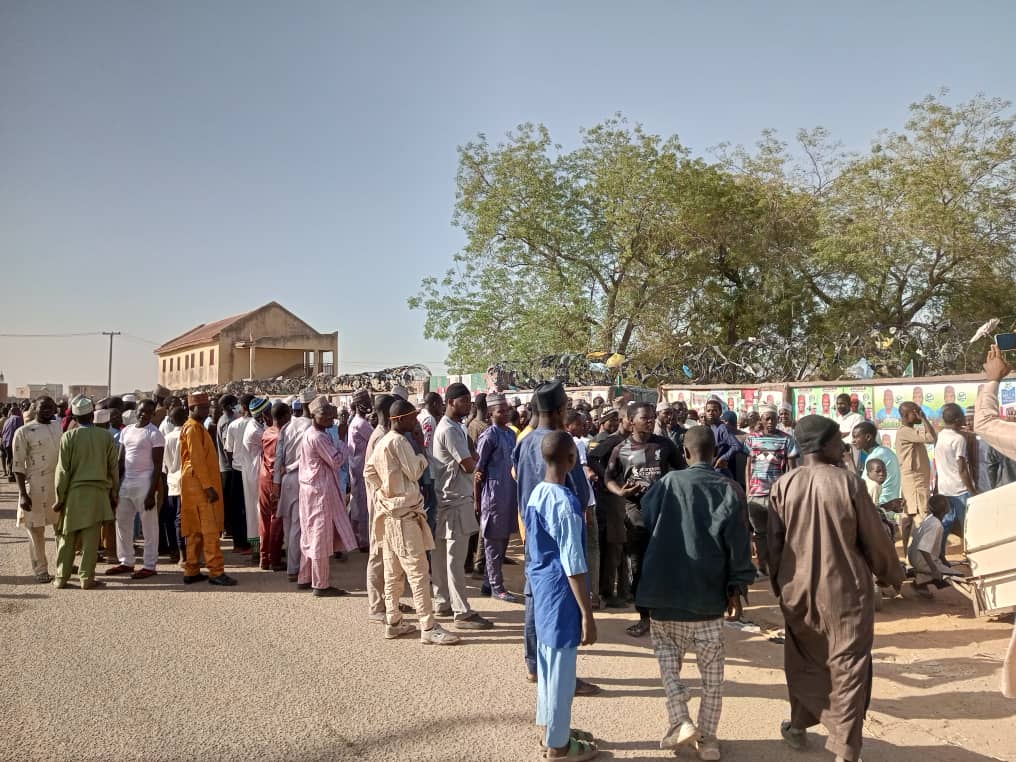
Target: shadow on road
x: 772, y: 750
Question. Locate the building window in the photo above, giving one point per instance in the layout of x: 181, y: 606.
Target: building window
x: 192, y: 360
x: 201, y: 359
x: 186, y: 362
x: 163, y: 364
x: 211, y: 357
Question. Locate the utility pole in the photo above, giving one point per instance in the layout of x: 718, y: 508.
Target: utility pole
x: 109, y: 376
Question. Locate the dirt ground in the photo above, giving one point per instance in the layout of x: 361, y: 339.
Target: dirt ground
x: 153, y: 670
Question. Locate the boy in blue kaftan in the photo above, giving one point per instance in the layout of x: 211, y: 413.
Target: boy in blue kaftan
x: 558, y: 574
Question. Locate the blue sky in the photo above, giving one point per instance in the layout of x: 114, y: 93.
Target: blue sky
x: 166, y: 164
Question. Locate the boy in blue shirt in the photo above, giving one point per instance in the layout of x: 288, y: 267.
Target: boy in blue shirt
x: 558, y: 574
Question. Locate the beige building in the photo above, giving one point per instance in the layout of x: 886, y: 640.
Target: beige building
x: 264, y: 343
x: 95, y: 391
x: 31, y: 391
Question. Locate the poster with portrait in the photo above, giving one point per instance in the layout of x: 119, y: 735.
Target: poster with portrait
x: 887, y: 438
x: 860, y: 399
x: 933, y: 397
x: 1007, y: 397
x: 887, y: 401
x: 754, y: 399
x: 681, y: 394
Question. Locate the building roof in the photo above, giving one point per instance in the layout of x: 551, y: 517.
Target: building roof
x: 202, y: 334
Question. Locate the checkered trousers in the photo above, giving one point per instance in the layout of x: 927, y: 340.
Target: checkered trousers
x: 671, y: 640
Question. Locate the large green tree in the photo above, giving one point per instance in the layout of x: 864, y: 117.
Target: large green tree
x: 924, y: 226
x: 565, y: 249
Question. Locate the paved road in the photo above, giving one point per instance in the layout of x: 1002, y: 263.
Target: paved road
x: 152, y: 670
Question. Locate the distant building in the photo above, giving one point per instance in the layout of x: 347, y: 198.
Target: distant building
x: 31, y: 391
x: 264, y: 343
x: 95, y: 391
x: 3, y: 389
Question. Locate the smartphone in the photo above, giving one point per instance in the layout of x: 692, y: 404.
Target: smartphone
x: 1006, y: 341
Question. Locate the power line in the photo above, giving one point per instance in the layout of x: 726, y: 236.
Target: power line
x: 142, y: 339
x: 48, y: 335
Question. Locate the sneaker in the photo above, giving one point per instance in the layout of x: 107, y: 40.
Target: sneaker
x: 44, y: 579
x: 438, y: 636
x: 303, y: 585
x: 192, y: 578
x: 507, y: 597
x: 59, y: 583
x: 144, y: 574
x: 708, y: 748
x: 444, y: 611
x: 393, y: 631
x: 91, y: 584
x: 683, y: 735
x: 796, y: 738
x: 120, y: 569
x: 473, y: 622
x: 223, y: 580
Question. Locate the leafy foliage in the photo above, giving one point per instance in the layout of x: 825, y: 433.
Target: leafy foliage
x: 784, y: 258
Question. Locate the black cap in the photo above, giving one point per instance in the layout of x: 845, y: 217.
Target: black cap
x: 550, y: 396
x: 456, y: 390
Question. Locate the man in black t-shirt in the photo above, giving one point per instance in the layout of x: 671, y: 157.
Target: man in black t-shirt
x: 612, y: 584
x: 635, y: 465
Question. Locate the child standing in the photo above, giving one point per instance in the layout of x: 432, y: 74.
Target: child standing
x: 557, y: 571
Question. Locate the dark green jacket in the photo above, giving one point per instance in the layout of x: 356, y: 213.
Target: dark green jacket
x: 699, y: 549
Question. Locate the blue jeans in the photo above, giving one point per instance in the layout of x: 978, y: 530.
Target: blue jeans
x: 957, y: 515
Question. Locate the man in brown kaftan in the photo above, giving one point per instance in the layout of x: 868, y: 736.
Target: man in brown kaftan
x: 825, y: 542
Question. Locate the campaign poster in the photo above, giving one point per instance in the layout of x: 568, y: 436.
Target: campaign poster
x: 887, y: 406
x: 933, y: 397
x: 825, y: 401
x: 677, y: 395
x: 1007, y: 397
x: 860, y: 399
x: 753, y: 399
x: 887, y: 438
x: 801, y: 401
x: 924, y: 396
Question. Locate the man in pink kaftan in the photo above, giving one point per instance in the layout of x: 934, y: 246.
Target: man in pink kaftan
x: 357, y: 439
x: 324, y: 523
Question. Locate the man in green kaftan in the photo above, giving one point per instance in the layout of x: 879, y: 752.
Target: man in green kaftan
x: 87, y: 483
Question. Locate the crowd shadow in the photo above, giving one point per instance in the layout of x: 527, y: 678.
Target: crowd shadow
x: 775, y: 750
x: 919, y: 639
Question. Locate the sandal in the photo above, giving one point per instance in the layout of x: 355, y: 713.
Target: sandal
x: 578, y: 751
x: 639, y: 629
x: 585, y: 688
x: 573, y: 734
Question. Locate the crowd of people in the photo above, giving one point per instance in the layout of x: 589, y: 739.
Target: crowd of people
x: 617, y: 503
